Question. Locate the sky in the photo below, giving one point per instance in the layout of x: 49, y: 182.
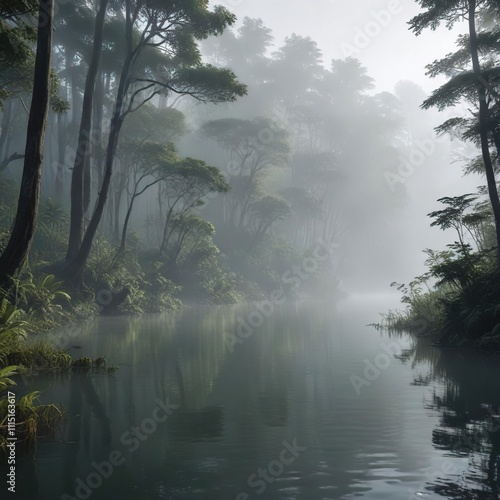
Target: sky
x: 373, y: 31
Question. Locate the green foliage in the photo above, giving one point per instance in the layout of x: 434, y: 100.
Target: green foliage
x: 12, y: 329
x: 43, y: 298
x: 205, y: 276
x: 256, y: 144
x: 136, y: 270
x: 52, y: 214
x: 40, y: 357
x: 187, y: 232
x: 32, y: 421
x: 453, y: 215
x: 93, y: 365
x: 462, y: 305
x: 16, y: 50
x: 437, y: 12
x: 15, y: 357
x: 5, y: 374
x: 207, y: 84
x: 200, y: 178
x: 265, y: 212
x: 51, y: 235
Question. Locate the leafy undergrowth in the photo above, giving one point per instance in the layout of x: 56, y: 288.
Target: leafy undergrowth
x: 28, y: 420
x: 21, y: 358
x: 462, y: 309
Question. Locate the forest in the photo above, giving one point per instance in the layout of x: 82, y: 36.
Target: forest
x: 162, y: 155
x: 156, y: 182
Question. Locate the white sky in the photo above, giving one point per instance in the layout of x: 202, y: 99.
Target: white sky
x: 391, y: 52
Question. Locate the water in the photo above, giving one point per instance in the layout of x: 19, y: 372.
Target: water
x: 312, y: 404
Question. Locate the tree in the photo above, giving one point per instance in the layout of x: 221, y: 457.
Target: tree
x: 16, y: 251
x: 80, y: 188
x: 174, y: 29
x: 18, y: 38
x: 246, y: 52
x: 151, y: 128
x: 187, y: 227
x: 454, y: 215
x: 472, y: 78
x: 296, y: 69
x: 252, y: 147
x: 16, y: 47
x: 153, y: 166
x: 265, y: 212
x: 189, y: 181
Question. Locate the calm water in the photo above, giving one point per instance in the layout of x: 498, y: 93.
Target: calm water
x: 313, y: 404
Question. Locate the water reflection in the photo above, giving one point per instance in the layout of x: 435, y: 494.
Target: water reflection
x: 467, y: 397
x: 230, y: 410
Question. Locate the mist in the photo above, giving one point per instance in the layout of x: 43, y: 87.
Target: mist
x: 249, y: 249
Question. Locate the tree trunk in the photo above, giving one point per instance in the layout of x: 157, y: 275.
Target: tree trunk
x: 84, y: 138
x: 125, y: 224
x: 87, y: 180
x: 114, y: 215
x: 16, y: 251
x: 99, y: 124
x: 6, y: 120
x: 483, y: 125
x: 61, y: 153
x: 74, y: 269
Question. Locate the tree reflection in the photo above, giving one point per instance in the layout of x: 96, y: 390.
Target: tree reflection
x: 464, y: 387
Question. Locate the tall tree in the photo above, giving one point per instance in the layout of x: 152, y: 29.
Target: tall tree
x: 175, y: 29
x: 78, y: 200
x: 16, y: 251
x: 151, y: 167
x: 475, y: 82
x: 252, y: 147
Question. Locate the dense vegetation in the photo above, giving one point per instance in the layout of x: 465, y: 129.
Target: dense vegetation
x: 458, y: 299
x: 156, y: 186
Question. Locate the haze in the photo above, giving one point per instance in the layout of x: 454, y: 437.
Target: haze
x: 249, y: 251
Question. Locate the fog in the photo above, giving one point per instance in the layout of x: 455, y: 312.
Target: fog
x: 377, y: 34
x: 385, y: 46
x: 250, y: 248
x: 331, y: 113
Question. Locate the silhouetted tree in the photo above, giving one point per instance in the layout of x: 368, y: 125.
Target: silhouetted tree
x: 16, y: 251
x: 476, y: 80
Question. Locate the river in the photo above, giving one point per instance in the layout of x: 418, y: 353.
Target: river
x: 308, y: 403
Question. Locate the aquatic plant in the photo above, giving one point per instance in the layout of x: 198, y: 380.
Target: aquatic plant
x: 31, y: 419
